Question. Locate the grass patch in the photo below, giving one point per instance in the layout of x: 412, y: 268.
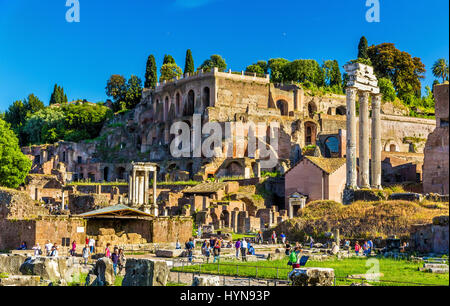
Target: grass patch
x: 396, y: 272
x: 240, y: 236
x: 4, y: 275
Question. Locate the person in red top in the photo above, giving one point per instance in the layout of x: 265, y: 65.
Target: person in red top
x: 357, y: 248
x: 74, y: 248
x: 108, y: 251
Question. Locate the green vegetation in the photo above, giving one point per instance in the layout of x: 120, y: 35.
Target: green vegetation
x: 240, y: 236
x: 81, y: 281
x: 14, y: 165
x: 215, y: 60
x: 4, y: 275
x: 151, y: 74
x: 440, y: 69
x: 189, y: 62
x: 169, y: 71
x: 396, y: 272
x: 58, y: 96
x: 126, y: 94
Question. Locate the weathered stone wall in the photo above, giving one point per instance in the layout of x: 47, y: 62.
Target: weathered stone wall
x: 81, y: 203
x: 166, y: 229
x: 436, y: 163
x: 19, y: 205
x: 431, y: 238
x: 13, y: 232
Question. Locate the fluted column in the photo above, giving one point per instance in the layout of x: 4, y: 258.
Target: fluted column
x: 351, y: 137
x: 364, y: 136
x: 130, y: 189
x: 155, y: 206
x: 376, y: 142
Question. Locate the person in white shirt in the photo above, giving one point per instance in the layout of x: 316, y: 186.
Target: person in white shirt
x: 37, y: 249
x: 86, y: 254
x: 244, y: 250
x: 91, y: 245
x: 48, y: 247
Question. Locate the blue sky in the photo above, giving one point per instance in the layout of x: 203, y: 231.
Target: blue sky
x: 38, y: 48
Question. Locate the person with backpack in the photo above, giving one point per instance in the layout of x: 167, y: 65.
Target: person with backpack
x: 293, y: 259
x: 274, y: 237
x: 238, y: 247
x: 37, y: 250
x: 54, y: 252
x: 216, y: 249
x: 115, y: 259
x: 283, y: 238
x: 107, y: 250
x: 74, y: 248
x: 189, y: 247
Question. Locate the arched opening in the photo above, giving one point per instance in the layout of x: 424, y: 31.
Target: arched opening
x: 310, y: 133
x: 190, y: 104
x: 283, y: 106
x: 178, y: 103
x: 166, y: 108
x: 312, y: 109
x: 206, y: 97
x: 332, y: 147
x: 215, y: 220
x: 120, y: 173
x: 225, y: 219
x: 106, y: 174
x: 341, y: 110
x: 235, y: 169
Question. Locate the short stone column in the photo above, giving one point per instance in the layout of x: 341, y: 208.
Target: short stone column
x: 376, y: 142
x: 364, y: 136
x: 351, y: 137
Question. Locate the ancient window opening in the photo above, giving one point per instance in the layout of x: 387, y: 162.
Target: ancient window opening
x: 312, y: 109
x: 341, y: 110
x: 283, y: 106
x: 190, y: 104
x: 332, y: 147
x: 310, y: 133
x: 106, y: 174
x: 178, y: 103
x: 206, y: 97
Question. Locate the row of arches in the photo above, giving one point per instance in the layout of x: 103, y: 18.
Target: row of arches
x: 181, y: 106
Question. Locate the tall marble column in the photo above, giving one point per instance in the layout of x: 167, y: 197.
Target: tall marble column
x: 155, y: 205
x: 130, y: 189
x: 364, y: 137
x: 376, y: 142
x: 351, y: 137
x: 146, y: 174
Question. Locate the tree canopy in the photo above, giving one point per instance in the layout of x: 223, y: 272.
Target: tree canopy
x: 214, y: 61
x: 126, y: 94
x: 169, y: 71
x: 362, y: 48
x: 168, y: 59
x: 58, y: 96
x: 440, y: 69
x: 14, y: 165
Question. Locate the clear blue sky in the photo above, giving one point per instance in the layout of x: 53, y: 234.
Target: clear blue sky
x: 38, y: 48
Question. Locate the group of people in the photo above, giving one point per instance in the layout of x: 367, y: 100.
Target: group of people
x: 245, y: 248
x: 366, y: 248
x: 117, y: 257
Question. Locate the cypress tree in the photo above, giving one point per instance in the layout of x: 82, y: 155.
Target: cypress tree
x: 151, y: 76
x: 362, y: 48
x: 189, y: 65
x: 52, y: 97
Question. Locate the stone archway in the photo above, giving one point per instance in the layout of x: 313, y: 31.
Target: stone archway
x: 312, y: 109
x: 283, y: 106
x: 190, y: 104
x: 310, y: 133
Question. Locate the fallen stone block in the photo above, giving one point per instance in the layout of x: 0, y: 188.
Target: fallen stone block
x: 169, y: 253
x: 206, y: 281
x: 104, y: 272
x: 307, y: 277
x: 145, y: 272
x: 20, y: 280
x: 10, y: 264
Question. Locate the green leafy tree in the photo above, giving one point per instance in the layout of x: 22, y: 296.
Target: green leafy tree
x: 440, y: 69
x: 134, y: 92
x: 45, y: 126
x: 387, y: 89
x: 304, y: 71
x: 14, y: 165
x: 276, y: 67
x: 254, y: 68
x: 362, y: 48
x: 116, y: 88
x: 151, y: 74
x: 400, y: 67
x: 214, y: 61
x: 169, y: 71
x: 168, y: 59
x: 332, y: 73
x: 189, y: 64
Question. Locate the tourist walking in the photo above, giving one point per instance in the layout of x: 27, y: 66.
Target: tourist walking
x: 274, y: 237
x: 287, y: 248
x: 207, y: 252
x: 293, y: 259
x: 250, y: 248
x: 85, y: 254
x: 122, y: 260
x: 238, y: 247
x: 37, y: 250
x: 357, y: 248
x: 244, y: 249
x: 189, y: 247
x: 283, y: 238
x: 177, y: 245
x: 54, y: 252
x: 216, y: 250
x: 107, y: 250
x: 74, y: 248
x: 115, y: 259
x: 365, y: 248
x: 91, y: 245
x: 370, y: 243
x: 311, y: 242
x: 48, y: 248
x: 259, y: 237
